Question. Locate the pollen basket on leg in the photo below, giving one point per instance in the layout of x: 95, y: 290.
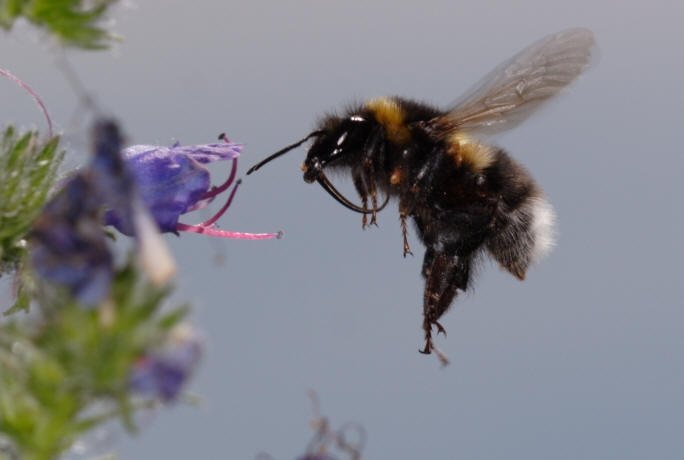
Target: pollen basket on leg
x: 397, y: 176
x: 392, y: 117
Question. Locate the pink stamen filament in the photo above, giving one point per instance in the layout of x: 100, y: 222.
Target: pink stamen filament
x: 215, y: 190
x: 224, y: 208
x: 33, y: 94
x: 208, y: 228
x: 212, y: 231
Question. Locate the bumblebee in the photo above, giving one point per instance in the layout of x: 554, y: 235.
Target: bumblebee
x: 466, y: 197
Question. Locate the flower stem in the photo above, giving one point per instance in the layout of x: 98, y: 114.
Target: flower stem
x: 33, y: 94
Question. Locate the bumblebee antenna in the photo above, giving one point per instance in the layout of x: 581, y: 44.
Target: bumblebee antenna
x: 283, y: 151
x: 322, y: 179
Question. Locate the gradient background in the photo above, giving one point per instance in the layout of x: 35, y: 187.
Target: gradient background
x: 582, y: 361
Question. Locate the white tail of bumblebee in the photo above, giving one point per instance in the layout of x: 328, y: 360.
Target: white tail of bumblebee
x: 543, y: 227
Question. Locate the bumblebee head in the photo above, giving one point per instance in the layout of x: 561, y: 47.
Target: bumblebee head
x: 340, y: 142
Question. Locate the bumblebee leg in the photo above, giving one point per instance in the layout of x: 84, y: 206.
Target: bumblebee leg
x: 427, y: 262
x: 445, y: 273
x: 362, y: 190
x: 404, y: 233
x: 431, y: 295
x: 373, y: 190
x: 373, y: 154
x: 404, y: 212
x: 409, y: 197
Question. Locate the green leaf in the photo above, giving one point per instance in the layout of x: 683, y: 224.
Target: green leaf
x: 21, y: 303
x: 68, y: 372
x: 75, y: 23
x: 28, y: 167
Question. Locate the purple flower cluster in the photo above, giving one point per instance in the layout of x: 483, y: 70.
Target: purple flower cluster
x: 142, y: 190
x: 68, y: 243
x: 69, y: 246
x: 162, y: 373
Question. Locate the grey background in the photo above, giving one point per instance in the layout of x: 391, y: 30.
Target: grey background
x: 583, y: 360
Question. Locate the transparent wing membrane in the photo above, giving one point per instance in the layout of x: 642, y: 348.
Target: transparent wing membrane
x: 516, y: 88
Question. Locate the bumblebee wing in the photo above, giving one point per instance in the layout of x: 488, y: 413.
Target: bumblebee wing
x: 513, y: 90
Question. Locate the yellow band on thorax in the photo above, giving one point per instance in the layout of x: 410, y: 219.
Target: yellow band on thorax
x: 392, y: 117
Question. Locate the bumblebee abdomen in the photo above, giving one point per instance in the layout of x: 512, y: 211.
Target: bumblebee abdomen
x: 524, y: 220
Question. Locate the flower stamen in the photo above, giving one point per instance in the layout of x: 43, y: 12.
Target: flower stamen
x: 213, y: 231
x: 208, y: 228
x: 209, y: 222
x: 218, y: 189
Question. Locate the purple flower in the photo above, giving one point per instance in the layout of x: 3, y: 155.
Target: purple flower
x: 163, y: 373
x: 174, y: 181
x: 115, y: 181
x: 118, y: 187
x: 68, y: 245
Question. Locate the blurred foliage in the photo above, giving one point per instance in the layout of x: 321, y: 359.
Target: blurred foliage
x: 68, y: 369
x: 27, y: 172
x: 76, y: 23
x: 64, y: 368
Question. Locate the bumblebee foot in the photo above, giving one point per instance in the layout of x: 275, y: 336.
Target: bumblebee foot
x: 374, y: 218
x: 374, y: 204
x: 427, y: 328
x: 428, y: 347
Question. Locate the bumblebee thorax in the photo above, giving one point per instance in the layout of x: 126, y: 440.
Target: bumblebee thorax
x: 392, y: 117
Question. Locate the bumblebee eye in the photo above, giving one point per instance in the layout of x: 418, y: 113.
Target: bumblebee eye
x: 357, y: 118
x: 479, y: 180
